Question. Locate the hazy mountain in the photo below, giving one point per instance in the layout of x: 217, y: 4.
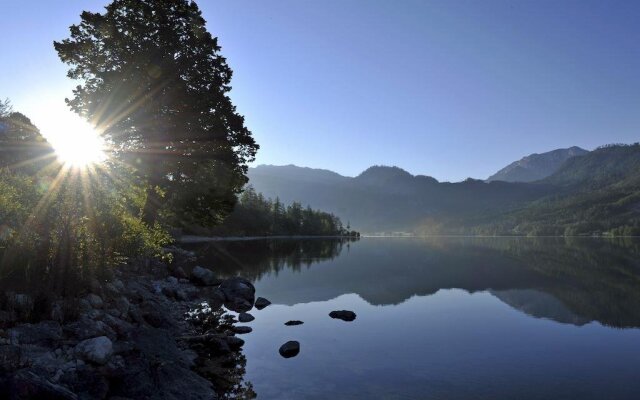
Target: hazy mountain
x: 608, y: 165
x: 536, y: 166
x: 388, y: 198
x: 594, y: 193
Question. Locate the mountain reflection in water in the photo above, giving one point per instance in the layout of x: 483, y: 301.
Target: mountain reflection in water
x: 568, y: 280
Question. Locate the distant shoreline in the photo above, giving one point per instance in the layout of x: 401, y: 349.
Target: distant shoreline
x: 193, y: 239
x: 190, y: 239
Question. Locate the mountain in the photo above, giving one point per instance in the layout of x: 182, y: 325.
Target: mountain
x: 598, y: 193
x: 386, y: 198
x: 536, y: 166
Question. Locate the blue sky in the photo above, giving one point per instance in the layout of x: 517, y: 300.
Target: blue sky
x: 448, y: 88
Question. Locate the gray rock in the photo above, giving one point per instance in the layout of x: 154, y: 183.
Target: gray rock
x: 204, y: 277
x: 234, y: 342
x: 179, y: 273
x: 86, y: 328
x: 186, y: 294
x: 97, y: 350
x: 293, y: 323
x: 172, y: 280
x: 111, y: 289
x: 122, y: 304
x: 95, y: 300
x: 245, y: 317
x: 261, y: 303
x: 119, y: 326
x: 157, y: 344
x: 239, y: 294
x: 343, y: 315
x: 290, y: 349
x: 241, y: 330
x: 118, y: 284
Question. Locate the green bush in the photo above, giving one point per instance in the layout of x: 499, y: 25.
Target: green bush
x: 59, y: 230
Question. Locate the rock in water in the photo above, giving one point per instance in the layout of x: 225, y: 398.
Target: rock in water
x: 261, y: 303
x: 293, y: 323
x: 343, y: 315
x: 204, y: 277
x: 238, y: 293
x: 240, y: 330
x: 234, y: 342
x: 290, y: 349
x: 97, y: 350
x: 245, y: 317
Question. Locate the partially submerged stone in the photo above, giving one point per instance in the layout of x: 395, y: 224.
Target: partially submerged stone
x: 290, y: 349
x: 293, y: 323
x: 343, y: 315
x: 238, y: 293
x: 241, y: 330
x: 261, y: 303
x: 245, y: 317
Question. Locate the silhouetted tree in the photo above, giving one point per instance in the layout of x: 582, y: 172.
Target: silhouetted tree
x: 154, y: 81
x: 22, y: 147
x: 256, y: 216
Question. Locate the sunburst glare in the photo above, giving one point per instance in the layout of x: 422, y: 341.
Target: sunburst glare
x: 76, y: 142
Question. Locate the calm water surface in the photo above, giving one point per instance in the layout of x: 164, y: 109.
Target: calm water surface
x: 442, y: 318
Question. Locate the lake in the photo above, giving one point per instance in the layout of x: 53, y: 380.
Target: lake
x: 442, y: 318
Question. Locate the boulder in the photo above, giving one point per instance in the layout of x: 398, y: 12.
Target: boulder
x: 86, y: 328
x: 245, y: 317
x: 290, y: 349
x: 122, y: 305
x: 239, y: 294
x: 343, y: 315
x: 234, y: 342
x: 293, y: 323
x: 119, y: 326
x: 241, y: 330
x: 97, y: 350
x: 261, y: 303
x: 95, y: 300
x: 204, y: 277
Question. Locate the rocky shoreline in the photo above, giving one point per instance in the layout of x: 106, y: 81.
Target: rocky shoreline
x: 154, y: 331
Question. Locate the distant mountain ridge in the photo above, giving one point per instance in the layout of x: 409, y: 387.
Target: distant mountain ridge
x: 386, y: 198
x: 595, y: 193
x: 536, y: 166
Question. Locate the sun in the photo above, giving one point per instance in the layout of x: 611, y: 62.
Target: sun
x: 79, y: 144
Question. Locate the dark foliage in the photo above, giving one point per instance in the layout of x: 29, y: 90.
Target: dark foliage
x: 254, y: 215
x: 22, y: 148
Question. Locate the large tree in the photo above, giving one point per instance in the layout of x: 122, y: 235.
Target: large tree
x: 154, y: 82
